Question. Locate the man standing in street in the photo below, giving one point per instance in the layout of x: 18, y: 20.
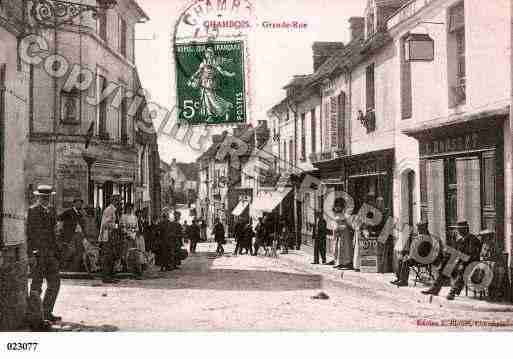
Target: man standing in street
x: 194, y: 236
x: 109, y: 224
x: 319, y: 237
x: 467, y: 243
x: 43, y: 253
x: 73, y: 224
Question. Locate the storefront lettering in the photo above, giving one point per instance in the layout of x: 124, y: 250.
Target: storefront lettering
x: 467, y: 142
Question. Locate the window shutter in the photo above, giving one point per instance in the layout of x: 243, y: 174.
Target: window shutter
x: 457, y: 17
x: 341, y: 120
x: 436, y: 198
x: 334, y: 121
x: 406, y: 86
x: 469, y: 192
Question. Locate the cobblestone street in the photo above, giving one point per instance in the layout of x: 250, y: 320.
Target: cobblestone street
x: 261, y: 293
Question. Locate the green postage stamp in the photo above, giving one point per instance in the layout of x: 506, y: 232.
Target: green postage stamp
x: 210, y: 81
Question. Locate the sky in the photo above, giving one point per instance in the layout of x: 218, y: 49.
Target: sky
x: 274, y: 55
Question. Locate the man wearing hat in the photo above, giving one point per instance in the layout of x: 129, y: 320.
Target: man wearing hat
x: 109, y: 224
x: 466, y: 243
x: 43, y: 252
x: 319, y: 236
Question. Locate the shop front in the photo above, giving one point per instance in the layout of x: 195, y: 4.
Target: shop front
x: 370, y: 181
x: 275, y: 203
x: 462, y: 177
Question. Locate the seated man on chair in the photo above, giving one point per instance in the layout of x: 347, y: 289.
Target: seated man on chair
x: 466, y: 243
x: 405, y: 261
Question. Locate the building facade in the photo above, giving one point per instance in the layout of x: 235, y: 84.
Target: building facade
x: 61, y: 110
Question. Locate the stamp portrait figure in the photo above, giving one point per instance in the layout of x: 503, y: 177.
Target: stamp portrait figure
x: 206, y: 78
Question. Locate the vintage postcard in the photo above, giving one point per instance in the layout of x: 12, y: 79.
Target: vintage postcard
x: 255, y: 165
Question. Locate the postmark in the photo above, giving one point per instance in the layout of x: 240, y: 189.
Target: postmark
x: 215, y: 91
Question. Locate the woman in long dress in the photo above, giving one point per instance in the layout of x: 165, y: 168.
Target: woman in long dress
x: 206, y: 79
x: 134, y: 242
x: 344, y: 244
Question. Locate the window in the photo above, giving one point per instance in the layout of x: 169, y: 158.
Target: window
x: 124, y: 121
x: 341, y: 120
x: 102, y: 109
x: 303, y: 138
x: 122, y: 36
x: 313, y: 130
x: 101, y: 24
x: 334, y: 121
x: 406, y: 86
x: 284, y: 153
x: 292, y: 153
x: 70, y: 107
x: 142, y: 168
x: 369, y: 88
x: 456, y: 48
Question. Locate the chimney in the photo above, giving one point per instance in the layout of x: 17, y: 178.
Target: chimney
x: 323, y: 50
x: 173, y: 162
x: 356, y: 26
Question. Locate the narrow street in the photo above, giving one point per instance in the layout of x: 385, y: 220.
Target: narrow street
x: 261, y: 293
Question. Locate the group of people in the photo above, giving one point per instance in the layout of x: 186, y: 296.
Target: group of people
x: 268, y: 234
x: 124, y: 241
x: 347, y: 240
x: 463, y: 241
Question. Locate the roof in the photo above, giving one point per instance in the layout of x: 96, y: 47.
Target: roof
x: 142, y: 14
x: 298, y: 80
x: 189, y: 170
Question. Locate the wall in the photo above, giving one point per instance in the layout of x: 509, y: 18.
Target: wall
x: 13, y: 258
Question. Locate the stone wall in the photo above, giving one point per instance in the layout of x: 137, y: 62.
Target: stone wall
x: 13, y: 287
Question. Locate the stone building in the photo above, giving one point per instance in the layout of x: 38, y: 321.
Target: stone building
x: 184, y: 182
x: 14, y: 98
x: 86, y: 79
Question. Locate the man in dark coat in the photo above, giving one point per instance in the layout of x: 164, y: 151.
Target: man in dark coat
x: 260, y: 235
x: 71, y: 218
x: 238, y: 234
x: 43, y: 252
x: 219, y: 236
x: 319, y: 236
x: 468, y: 244
x: 247, y: 238
x: 167, y: 258
x: 72, y: 223
x: 194, y: 236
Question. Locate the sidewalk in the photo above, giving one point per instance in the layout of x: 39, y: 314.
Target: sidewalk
x: 379, y: 283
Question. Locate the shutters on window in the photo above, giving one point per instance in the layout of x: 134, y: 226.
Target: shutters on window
x: 436, y: 198
x: 469, y: 192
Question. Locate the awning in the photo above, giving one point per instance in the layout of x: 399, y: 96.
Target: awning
x: 241, y: 206
x: 267, y: 201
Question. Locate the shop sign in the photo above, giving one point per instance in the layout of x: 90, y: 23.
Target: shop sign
x: 468, y: 142
x: 368, y: 255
